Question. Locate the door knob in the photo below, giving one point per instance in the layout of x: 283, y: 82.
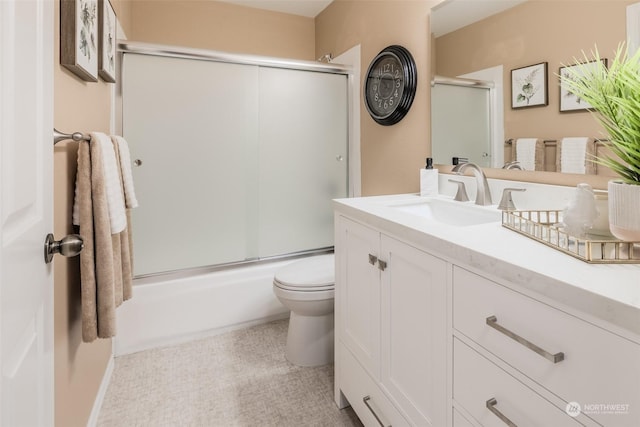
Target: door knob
x: 69, y: 246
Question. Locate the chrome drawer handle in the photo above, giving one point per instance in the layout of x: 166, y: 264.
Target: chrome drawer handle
x: 382, y: 423
x: 491, y: 405
x: 555, y: 358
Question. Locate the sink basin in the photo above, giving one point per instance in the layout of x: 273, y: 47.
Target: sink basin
x: 449, y: 212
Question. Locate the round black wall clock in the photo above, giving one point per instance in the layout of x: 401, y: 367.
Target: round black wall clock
x: 390, y: 85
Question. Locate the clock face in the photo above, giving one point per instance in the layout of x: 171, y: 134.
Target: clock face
x: 385, y: 85
x: 390, y: 85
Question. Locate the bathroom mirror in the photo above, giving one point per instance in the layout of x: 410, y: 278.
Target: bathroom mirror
x: 472, y: 37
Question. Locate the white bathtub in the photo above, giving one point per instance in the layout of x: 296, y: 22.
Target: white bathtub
x: 164, y: 312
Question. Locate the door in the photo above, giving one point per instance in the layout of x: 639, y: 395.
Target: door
x: 460, y: 124
x: 358, y: 292
x: 414, y: 324
x: 26, y: 162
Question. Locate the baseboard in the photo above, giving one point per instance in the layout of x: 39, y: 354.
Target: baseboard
x: 102, y: 392
x: 174, y: 311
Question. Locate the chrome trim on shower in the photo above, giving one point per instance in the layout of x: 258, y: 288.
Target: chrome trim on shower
x: 457, y: 81
x: 126, y: 46
x: 190, y: 272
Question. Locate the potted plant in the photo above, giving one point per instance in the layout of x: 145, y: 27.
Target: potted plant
x: 614, y: 96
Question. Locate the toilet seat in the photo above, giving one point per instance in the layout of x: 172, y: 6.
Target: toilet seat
x: 308, y: 275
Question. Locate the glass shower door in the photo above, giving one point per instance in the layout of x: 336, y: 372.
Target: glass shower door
x: 303, y: 158
x: 236, y: 161
x: 460, y: 124
x: 194, y: 127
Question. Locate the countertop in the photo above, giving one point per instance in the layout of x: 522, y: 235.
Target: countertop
x: 607, y: 292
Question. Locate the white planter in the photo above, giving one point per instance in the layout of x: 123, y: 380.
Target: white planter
x: 624, y: 210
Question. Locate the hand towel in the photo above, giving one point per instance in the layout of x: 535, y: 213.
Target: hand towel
x: 122, y: 245
x: 112, y: 184
x: 125, y: 165
x: 573, y: 155
x: 530, y: 153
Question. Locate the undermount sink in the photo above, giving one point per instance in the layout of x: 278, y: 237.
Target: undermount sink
x: 450, y: 212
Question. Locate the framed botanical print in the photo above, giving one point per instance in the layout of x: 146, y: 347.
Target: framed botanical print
x: 107, y: 42
x: 568, y: 100
x: 529, y: 86
x: 79, y: 38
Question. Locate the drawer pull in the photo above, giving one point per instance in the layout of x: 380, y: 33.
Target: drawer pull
x: 383, y: 423
x: 382, y: 265
x: 491, y: 405
x: 373, y: 259
x: 555, y: 358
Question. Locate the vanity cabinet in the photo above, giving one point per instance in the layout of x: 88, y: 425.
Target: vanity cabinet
x: 391, y: 328
x: 555, y: 352
x: 442, y: 327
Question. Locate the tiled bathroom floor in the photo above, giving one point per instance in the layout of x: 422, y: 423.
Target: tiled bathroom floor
x: 240, y: 378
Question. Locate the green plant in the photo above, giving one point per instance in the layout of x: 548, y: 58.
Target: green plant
x: 614, y: 96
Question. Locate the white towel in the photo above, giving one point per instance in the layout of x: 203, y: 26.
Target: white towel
x: 113, y: 185
x: 526, y: 153
x: 127, y: 177
x: 573, y: 154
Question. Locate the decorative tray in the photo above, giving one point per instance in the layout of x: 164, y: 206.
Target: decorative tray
x: 544, y: 226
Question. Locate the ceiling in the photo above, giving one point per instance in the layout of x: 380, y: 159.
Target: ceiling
x: 309, y: 8
x: 451, y: 15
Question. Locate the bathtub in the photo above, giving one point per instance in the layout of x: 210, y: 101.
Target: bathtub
x: 165, y: 311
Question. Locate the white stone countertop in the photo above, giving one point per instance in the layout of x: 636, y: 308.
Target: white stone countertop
x: 608, y: 292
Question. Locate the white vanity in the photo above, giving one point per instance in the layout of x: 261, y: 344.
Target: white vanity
x: 445, y: 318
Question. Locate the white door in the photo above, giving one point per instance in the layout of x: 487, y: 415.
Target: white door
x: 26, y: 162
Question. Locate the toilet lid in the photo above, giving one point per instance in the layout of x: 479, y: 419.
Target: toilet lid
x: 310, y: 274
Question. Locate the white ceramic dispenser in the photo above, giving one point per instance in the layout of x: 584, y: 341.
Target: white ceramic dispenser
x: 429, y: 179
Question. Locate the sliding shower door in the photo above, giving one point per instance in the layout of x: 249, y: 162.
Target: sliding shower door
x: 303, y: 158
x: 233, y: 162
x: 460, y: 124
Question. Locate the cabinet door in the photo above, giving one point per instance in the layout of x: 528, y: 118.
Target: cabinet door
x: 358, y: 292
x: 414, y: 335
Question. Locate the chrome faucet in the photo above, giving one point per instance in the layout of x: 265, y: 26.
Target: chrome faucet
x: 483, y: 195
x: 512, y: 165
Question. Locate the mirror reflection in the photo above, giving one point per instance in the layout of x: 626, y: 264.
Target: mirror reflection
x: 486, y: 41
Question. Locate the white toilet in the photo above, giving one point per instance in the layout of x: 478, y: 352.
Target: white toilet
x: 306, y: 287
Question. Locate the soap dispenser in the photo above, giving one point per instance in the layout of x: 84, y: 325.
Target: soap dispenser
x: 429, y: 179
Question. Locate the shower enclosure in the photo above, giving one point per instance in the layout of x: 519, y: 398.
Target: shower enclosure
x: 236, y: 158
x: 461, y: 121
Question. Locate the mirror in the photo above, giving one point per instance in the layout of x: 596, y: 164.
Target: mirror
x: 472, y: 38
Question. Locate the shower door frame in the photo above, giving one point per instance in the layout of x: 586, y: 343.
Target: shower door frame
x: 353, y: 145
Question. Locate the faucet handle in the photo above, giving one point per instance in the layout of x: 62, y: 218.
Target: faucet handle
x: 461, y: 194
x: 506, y: 203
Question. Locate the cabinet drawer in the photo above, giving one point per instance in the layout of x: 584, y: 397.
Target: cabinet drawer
x: 599, y: 368
x: 365, y: 396
x: 459, y: 420
x: 476, y: 380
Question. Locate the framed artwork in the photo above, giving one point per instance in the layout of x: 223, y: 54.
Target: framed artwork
x: 79, y: 38
x: 568, y: 100
x: 633, y: 27
x: 529, y: 86
x: 107, y: 41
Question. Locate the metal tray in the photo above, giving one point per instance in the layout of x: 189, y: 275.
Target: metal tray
x: 543, y: 226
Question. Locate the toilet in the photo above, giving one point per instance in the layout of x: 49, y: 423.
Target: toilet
x: 306, y: 287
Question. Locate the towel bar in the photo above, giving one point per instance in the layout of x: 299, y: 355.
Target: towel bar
x: 76, y: 136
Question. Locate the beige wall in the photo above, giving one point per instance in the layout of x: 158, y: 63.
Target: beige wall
x: 537, y: 31
x: 222, y: 26
x: 79, y: 367
x: 391, y: 155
